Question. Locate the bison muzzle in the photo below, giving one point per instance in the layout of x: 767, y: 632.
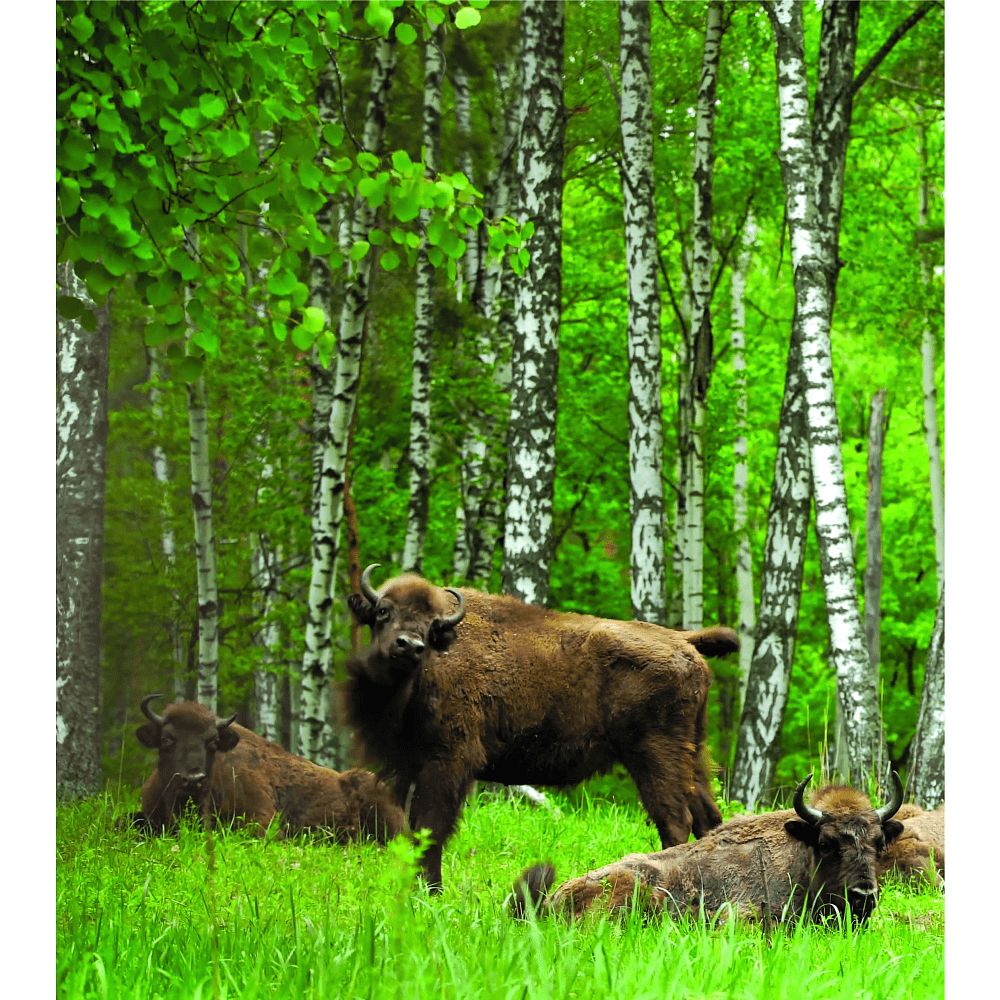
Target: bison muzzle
x: 459, y: 685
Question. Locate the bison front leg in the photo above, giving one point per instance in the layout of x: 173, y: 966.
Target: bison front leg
x: 435, y: 802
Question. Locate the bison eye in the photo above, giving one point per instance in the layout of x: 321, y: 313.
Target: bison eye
x: 828, y: 846
x: 382, y: 613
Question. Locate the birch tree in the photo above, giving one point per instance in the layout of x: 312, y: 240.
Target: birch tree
x: 741, y: 469
x: 813, y: 211
x: 82, y: 343
x: 423, y: 322
x: 928, y: 347
x: 645, y: 420
x: 927, y: 760
x: 204, y: 531
x: 316, y: 733
x: 537, y: 303
x: 873, y: 533
x: 700, y: 360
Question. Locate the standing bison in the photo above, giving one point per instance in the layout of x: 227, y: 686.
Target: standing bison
x: 458, y: 685
x: 818, y: 860
x: 229, y: 772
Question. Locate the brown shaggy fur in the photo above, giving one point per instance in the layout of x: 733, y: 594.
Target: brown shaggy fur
x: 769, y: 868
x: 918, y: 854
x: 522, y: 694
x: 256, y: 779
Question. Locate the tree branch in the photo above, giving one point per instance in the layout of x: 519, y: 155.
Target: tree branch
x: 890, y: 44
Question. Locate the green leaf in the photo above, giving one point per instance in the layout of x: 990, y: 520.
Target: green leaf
x: 313, y: 319
x: 232, y: 142
x: 281, y: 282
x: 379, y: 17
x: 406, y: 34
x: 527, y: 231
x: 359, y: 250
x: 401, y: 159
x: 376, y: 237
x: 471, y: 215
x: 82, y: 27
x: 405, y: 207
x: 434, y: 14
x: 452, y: 245
x: 299, y: 294
x: 280, y: 331
x: 467, y: 17
x: 189, y: 368
x: 302, y: 338
x: 69, y: 307
x: 334, y: 135
x: 88, y: 320
x: 524, y: 257
x: 192, y: 117
x: 131, y: 98
x: 208, y: 342
x: 390, y: 260
x: 436, y: 229
x: 69, y: 196
x: 435, y: 256
x: 325, y: 343
x: 367, y: 161
x: 398, y: 236
x: 155, y: 334
x: 160, y: 293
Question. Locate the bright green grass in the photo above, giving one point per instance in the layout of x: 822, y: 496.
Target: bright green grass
x: 301, y: 919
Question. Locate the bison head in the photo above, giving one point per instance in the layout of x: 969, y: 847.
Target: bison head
x: 408, y: 617
x: 187, y: 736
x: 846, y: 835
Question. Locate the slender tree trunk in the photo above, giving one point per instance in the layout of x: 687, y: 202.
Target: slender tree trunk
x: 537, y: 303
x: 700, y: 357
x: 873, y: 534
x: 161, y: 473
x: 741, y: 469
x: 928, y: 348
x: 810, y: 206
x: 758, y: 744
x: 81, y: 460
x: 267, y: 680
x: 423, y: 324
x: 927, y: 760
x: 648, y: 551
x: 316, y: 734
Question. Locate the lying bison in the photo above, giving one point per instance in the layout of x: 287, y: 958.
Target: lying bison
x: 918, y: 854
x: 229, y: 772
x: 458, y: 685
x: 818, y: 860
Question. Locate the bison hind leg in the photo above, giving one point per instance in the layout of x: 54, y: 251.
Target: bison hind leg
x: 536, y: 881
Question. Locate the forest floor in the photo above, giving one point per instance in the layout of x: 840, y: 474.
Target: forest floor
x: 232, y: 916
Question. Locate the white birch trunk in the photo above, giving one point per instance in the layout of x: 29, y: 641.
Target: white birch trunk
x: 315, y: 732
x: 815, y: 270
x: 927, y: 770
x: 423, y: 325
x: 700, y: 359
x: 928, y: 346
x: 873, y: 534
x: 81, y: 459
x: 204, y: 531
x: 537, y: 306
x: 648, y: 555
x: 741, y: 468
x: 463, y: 129
x: 267, y: 680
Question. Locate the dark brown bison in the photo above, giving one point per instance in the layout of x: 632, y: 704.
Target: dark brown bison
x: 918, y: 853
x: 818, y: 860
x: 229, y: 771
x: 458, y: 685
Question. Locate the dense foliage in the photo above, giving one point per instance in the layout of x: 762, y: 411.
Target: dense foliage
x: 147, y: 149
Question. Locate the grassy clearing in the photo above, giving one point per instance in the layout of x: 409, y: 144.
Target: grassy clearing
x: 193, y: 917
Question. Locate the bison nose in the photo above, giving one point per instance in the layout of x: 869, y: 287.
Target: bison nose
x: 408, y: 646
x: 862, y: 900
x: 193, y: 778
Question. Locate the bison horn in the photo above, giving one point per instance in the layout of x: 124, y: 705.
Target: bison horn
x: 810, y: 815
x: 458, y: 615
x: 148, y: 712
x: 366, y: 587
x: 892, y: 806
x: 225, y: 723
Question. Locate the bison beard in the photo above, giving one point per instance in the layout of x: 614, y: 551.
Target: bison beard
x: 819, y: 860
x: 459, y: 685
x: 229, y: 772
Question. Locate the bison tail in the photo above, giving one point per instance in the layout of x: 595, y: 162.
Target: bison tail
x: 536, y: 881
x: 715, y: 641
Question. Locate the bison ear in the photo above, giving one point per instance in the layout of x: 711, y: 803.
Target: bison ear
x: 441, y: 638
x: 362, y: 609
x: 805, y: 832
x: 149, y: 736
x: 228, y: 738
x: 891, y: 829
